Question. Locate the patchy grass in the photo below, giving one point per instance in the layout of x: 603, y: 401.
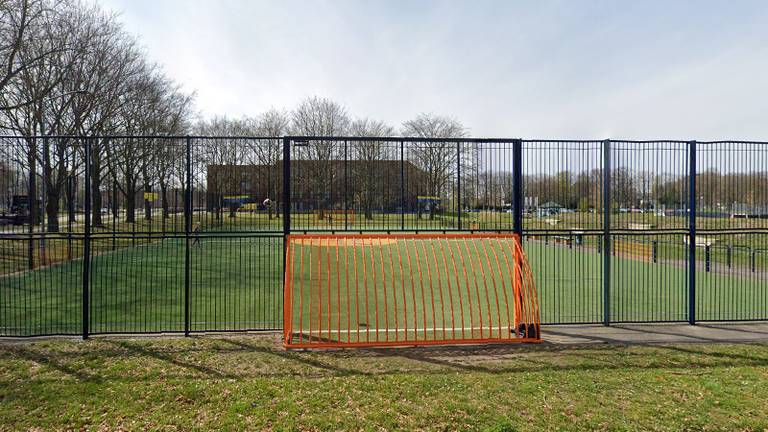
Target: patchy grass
x: 248, y: 382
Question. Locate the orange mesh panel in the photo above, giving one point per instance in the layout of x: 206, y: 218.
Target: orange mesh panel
x: 408, y: 289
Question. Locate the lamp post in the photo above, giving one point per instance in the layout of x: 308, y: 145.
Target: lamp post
x: 46, y: 169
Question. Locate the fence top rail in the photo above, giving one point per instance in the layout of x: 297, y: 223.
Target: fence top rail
x: 384, y: 138
x: 290, y: 237
x: 174, y: 137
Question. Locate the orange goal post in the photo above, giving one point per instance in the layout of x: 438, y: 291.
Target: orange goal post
x: 368, y: 290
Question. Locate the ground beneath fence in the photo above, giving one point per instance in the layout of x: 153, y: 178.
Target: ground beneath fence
x: 621, y: 334
x: 584, y: 378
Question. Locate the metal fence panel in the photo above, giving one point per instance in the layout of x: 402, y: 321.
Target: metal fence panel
x: 567, y: 269
x: 185, y: 234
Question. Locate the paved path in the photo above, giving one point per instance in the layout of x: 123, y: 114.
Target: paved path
x: 627, y: 334
x: 656, y: 333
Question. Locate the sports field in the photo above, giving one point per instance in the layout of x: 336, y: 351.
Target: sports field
x: 236, y: 283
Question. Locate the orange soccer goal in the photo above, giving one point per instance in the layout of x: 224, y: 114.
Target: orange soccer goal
x: 407, y: 289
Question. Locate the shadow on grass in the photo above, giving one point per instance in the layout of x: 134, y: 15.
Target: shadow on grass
x: 296, y: 357
x: 50, y: 361
x: 234, y: 358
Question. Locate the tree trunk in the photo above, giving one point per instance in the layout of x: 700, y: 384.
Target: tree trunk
x: 130, y: 203
x: 147, y: 202
x: 164, y: 198
x: 115, y: 204
x: 95, y: 192
x: 368, y: 207
x: 269, y: 190
x: 69, y: 195
x: 52, y: 210
x: 32, y: 207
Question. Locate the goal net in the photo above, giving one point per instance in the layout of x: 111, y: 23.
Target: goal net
x: 407, y: 289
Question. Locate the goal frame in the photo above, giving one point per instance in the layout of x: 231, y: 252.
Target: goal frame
x: 524, y: 328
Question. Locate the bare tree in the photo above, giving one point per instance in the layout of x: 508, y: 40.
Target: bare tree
x: 23, y: 24
x: 318, y: 117
x: 34, y: 105
x: 219, y: 157
x: 273, y: 124
x: 131, y: 160
x: 368, y: 156
x: 437, y: 159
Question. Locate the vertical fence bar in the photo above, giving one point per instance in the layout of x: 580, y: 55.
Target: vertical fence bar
x: 458, y: 180
x: 517, y: 211
x: 187, y: 233
x: 87, y: 240
x: 402, y: 186
x: 607, y: 232
x: 114, y: 212
x: 32, y: 207
x: 346, y: 187
x: 286, y: 197
x: 517, y: 187
x: 692, y: 232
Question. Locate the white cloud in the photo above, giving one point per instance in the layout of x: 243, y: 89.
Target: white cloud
x: 541, y: 69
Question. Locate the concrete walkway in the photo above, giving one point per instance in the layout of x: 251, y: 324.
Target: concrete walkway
x: 656, y: 333
x: 625, y: 334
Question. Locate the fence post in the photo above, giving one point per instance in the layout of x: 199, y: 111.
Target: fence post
x: 517, y: 187
x: 286, y: 197
x: 114, y: 212
x: 346, y: 188
x: 458, y: 180
x: 402, y: 186
x: 87, y: 240
x: 187, y: 233
x: 32, y: 208
x: 607, y: 232
x: 692, y: 232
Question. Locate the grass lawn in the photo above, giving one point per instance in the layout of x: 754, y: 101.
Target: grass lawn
x: 236, y: 283
x: 248, y: 383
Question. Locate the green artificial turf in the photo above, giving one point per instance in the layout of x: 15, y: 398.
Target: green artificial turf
x: 236, y: 283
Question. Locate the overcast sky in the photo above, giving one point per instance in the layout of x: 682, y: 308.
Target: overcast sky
x: 534, y: 69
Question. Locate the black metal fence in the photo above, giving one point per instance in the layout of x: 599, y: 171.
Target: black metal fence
x: 128, y: 234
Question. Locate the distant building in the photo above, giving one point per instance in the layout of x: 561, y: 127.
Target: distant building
x: 316, y: 184
x: 749, y: 211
